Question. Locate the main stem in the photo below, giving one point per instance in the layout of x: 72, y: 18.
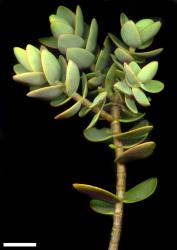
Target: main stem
x: 121, y: 178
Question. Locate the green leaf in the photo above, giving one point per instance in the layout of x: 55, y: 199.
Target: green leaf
x: 120, y: 74
x: 130, y: 34
x: 96, y: 81
x: 134, y: 67
x: 137, y: 152
x: 102, y: 207
x: 72, y: 78
x: 98, y: 99
x: 130, y: 103
x: 34, y: 58
x: 59, y: 28
x: 63, y: 65
x: 66, y: 41
x: 61, y: 100
x: 143, y: 23
x: 117, y: 63
x: 132, y: 142
x: 19, y: 69
x: 22, y: 57
x: 123, y: 55
x: 84, y: 86
x: 140, y: 97
x: 152, y: 86
x: 107, y: 44
x: 83, y: 58
x: 148, y: 53
x: 123, y: 87
x: 110, y: 79
x: 31, y: 78
x: 79, y: 27
x: 47, y: 93
x: 123, y: 19
x: 96, y: 192
x: 141, y: 191
x: 146, y: 44
x: 102, y: 61
x: 130, y: 75
x: 97, y: 135
x: 150, y: 31
x: 134, y: 133
x: 84, y: 111
x: 50, y: 42
x: 66, y: 14
x: 55, y: 18
x: 92, y: 38
x: 51, y: 67
x: 127, y: 116
x: 117, y: 41
x: 69, y: 112
x: 148, y: 72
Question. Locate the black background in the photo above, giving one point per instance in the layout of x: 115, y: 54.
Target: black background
x: 40, y: 158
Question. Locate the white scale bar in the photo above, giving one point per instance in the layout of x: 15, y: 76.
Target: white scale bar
x: 19, y: 244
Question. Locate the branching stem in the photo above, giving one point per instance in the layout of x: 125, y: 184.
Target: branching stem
x: 121, y: 178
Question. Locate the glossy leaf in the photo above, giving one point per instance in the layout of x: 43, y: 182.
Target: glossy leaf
x: 117, y: 41
x: 59, y: 28
x: 72, y: 78
x: 123, y: 55
x: 130, y: 34
x: 66, y: 41
x: 69, y: 112
x: 137, y: 152
x: 141, y: 191
x: 31, y: 78
x: 22, y: 58
x: 143, y: 23
x: 152, y: 86
x: 123, y: 19
x: 134, y: 67
x: 81, y: 57
x: 102, y: 61
x: 130, y: 103
x: 148, y: 72
x: 130, y: 75
x: 63, y: 66
x: 50, y: 42
x: 66, y: 14
x: 47, y: 93
x: 51, y: 67
x: 123, y: 87
x: 97, y: 193
x: 34, y: 58
x: 102, y: 207
x: 148, y: 53
x: 140, y: 97
x: 92, y: 38
x: 97, y: 135
x: 150, y: 31
x: 79, y: 27
x: 19, y: 69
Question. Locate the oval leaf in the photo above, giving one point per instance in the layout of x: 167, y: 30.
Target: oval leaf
x: 134, y: 133
x: 51, y: 67
x: 130, y: 103
x: 34, y: 58
x: 50, y: 42
x: 97, y: 135
x: 148, y: 53
x: 59, y: 28
x: 63, y: 66
x: 81, y: 57
x: 19, y: 69
x: 123, y: 55
x: 130, y: 34
x: 79, y: 27
x: 117, y: 41
x: 66, y: 41
x: 96, y: 192
x: 148, y: 72
x: 134, y: 67
x: 61, y: 100
x: 150, y: 31
x: 102, y: 61
x: 66, y: 14
x: 22, y: 57
x: 137, y: 152
x: 143, y: 23
x: 130, y: 75
x: 72, y: 78
x: 152, y: 86
x: 102, y: 207
x: 140, y: 97
x: 92, y: 38
x: 69, y: 112
x: 141, y: 191
x: 123, y: 19
x: 123, y: 87
x: 31, y: 78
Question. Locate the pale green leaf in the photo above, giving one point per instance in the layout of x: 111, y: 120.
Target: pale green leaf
x: 50, y: 42
x: 123, y: 19
x: 97, y: 135
x: 66, y: 14
x: 96, y: 81
x: 137, y: 152
x: 22, y: 57
x: 31, y: 78
x: 134, y: 67
x: 72, y: 78
x: 131, y: 105
x: 148, y: 72
x: 19, y: 69
x: 117, y: 41
x: 130, y: 75
x: 127, y: 116
x: 103, y: 60
x: 63, y: 66
x: 79, y: 27
x: 150, y: 31
x: 61, y: 100
x: 110, y: 79
x: 146, y: 44
x: 92, y: 38
x: 34, y: 58
x: 59, y: 28
x: 123, y: 87
x: 51, y: 67
x: 143, y: 23
x: 123, y: 55
x: 140, y: 97
x: 134, y: 133
x: 102, y: 207
x: 98, y: 99
x: 152, y: 86
x: 96, y: 192
x: 141, y: 191
x: 83, y: 58
x: 69, y: 112
x: 148, y: 53
x: 130, y: 34
x: 66, y: 41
